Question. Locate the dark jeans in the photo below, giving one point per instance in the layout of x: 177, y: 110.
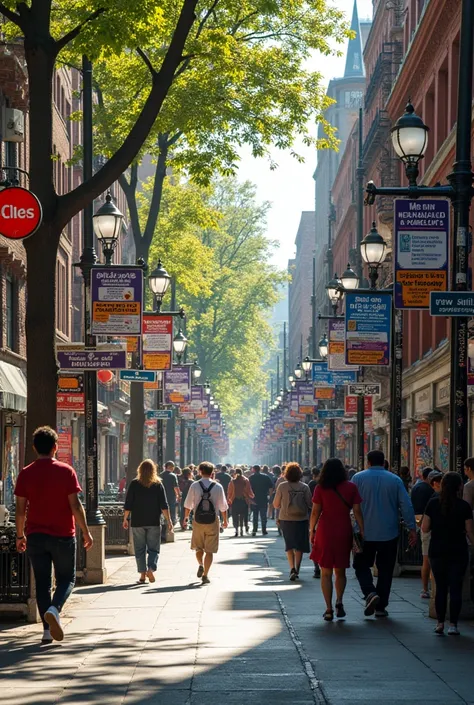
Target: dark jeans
x: 384, y: 554
x: 239, y: 513
x: 449, y: 575
x: 146, y: 541
x: 45, y: 551
x: 262, y: 510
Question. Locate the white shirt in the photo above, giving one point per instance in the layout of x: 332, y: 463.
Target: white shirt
x: 217, y: 495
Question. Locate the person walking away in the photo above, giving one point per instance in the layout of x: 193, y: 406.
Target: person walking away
x: 331, y: 531
x: 468, y: 491
x: 405, y: 477
x: 184, y: 485
x: 421, y: 494
x: 280, y: 478
x: 46, y: 500
x: 171, y: 485
x: 146, y: 502
x: 224, y: 478
x: 261, y: 486
x: 293, y: 499
x: 206, y: 499
x: 384, y: 498
x: 239, y: 496
x: 449, y: 519
x: 315, y: 473
x: 122, y: 487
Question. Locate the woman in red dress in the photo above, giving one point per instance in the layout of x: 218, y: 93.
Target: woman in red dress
x: 331, y: 530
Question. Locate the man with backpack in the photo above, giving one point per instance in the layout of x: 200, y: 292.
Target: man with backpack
x: 206, y: 499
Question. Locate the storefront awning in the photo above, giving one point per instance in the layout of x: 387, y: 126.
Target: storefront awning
x: 12, y: 387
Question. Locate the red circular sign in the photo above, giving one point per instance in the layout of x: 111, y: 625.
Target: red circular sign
x: 20, y: 213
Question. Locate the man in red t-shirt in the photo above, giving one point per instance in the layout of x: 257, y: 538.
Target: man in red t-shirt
x: 46, y: 497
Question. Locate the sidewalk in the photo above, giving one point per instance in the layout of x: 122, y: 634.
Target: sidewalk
x: 250, y: 636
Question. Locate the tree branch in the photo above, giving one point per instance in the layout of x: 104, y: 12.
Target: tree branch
x: 61, y: 43
x: 69, y: 204
x: 12, y: 16
x: 144, y: 57
x: 159, y: 180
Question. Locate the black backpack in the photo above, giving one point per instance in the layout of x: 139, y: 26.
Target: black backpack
x: 205, y: 511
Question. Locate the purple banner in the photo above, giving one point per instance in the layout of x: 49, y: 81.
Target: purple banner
x: 305, y: 398
x: 177, y: 385
x: 92, y: 359
x: 116, y: 300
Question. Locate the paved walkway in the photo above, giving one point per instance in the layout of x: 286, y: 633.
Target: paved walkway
x: 250, y: 636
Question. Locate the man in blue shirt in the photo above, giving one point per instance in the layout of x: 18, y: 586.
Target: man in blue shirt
x: 384, y: 498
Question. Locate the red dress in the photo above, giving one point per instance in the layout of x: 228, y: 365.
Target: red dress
x: 333, y: 540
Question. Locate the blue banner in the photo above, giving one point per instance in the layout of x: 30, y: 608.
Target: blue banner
x: 368, y: 328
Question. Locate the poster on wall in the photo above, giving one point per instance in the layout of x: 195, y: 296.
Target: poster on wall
x: 421, y: 250
x: 70, y: 393
x: 64, y: 453
x: 422, y: 450
x: 368, y: 323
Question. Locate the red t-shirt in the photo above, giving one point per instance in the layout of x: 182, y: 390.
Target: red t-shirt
x: 46, y: 484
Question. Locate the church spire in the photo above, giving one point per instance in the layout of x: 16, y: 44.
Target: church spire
x: 354, y: 62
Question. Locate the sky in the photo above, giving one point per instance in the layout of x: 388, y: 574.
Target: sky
x: 290, y: 188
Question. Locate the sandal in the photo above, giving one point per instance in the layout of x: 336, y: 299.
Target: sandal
x: 439, y: 629
x: 340, y: 611
x: 328, y: 616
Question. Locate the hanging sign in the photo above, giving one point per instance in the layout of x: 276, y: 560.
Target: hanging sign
x: 117, y: 300
x: 365, y: 389
x: 20, y: 213
x: 350, y: 405
x: 327, y: 414
x: 324, y: 392
x: 157, y: 342
x: 137, y: 375
x: 421, y: 250
x: 452, y: 303
x: 91, y: 358
x: 321, y: 376
x: 368, y: 323
x: 64, y: 452
x: 70, y: 393
x: 305, y: 398
x: 177, y: 385
x: 336, y: 357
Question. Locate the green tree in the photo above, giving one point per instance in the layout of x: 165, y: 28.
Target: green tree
x: 228, y: 328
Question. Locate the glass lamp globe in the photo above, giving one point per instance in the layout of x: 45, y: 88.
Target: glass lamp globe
x: 373, y: 247
x: 159, y: 280
x: 306, y: 365
x: 410, y: 136
x: 323, y: 347
x: 349, y: 279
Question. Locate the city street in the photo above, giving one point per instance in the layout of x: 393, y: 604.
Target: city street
x: 249, y: 636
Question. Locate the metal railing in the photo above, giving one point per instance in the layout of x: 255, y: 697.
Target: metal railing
x: 14, y: 569
x: 409, y: 557
x: 115, y: 534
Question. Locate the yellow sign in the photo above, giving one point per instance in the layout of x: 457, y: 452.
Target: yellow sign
x: 416, y: 285
x: 156, y: 361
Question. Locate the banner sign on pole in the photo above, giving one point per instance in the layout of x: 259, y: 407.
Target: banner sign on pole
x: 328, y: 414
x: 64, y: 452
x: 364, y: 389
x: 336, y: 357
x: 159, y: 414
x: 305, y: 398
x: 92, y: 359
x: 421, y: 250
x: 117, y: 300
x: 197, y: 394
x: 368, y: 323
x: 70, y: 393
x: 350, y: 405
x: 340, y: 379
x: 177, y: 385
x: 452, y: 303
x: 321, y: 376
x: 137, y: 375
x: 157, y: 342
x: 324, y: 392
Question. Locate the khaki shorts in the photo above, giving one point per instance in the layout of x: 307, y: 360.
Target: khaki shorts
x: 205, y: 537
x: 425, y: 543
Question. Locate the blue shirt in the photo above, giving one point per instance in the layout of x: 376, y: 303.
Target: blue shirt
x: 384, y: 497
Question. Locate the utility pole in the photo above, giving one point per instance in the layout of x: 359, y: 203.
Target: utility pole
x: 285, y: 369
x: 314, y: 353
x: 360, y: 173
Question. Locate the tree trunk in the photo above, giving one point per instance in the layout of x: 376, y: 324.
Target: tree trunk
x: 41, y: 331
x: 136, y: 429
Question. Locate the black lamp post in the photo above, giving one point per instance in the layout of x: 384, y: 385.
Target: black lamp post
x: 107, y: 223
x: 373, y: 250
x: 159, y: 281
x: 409, y: 138
x: 180, y: 343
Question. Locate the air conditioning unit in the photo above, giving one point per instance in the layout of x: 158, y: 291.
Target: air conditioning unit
x: 13, y: 125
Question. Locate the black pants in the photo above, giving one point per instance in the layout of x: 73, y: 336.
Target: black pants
x: 449, y: 573
x: 384, y: 555
x: 45, y: 551
x: 261, y: 509
x: 239, y: 513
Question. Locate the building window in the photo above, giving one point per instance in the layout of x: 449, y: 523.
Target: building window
x: 10, y: 300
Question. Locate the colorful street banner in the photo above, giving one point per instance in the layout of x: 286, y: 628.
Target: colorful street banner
x: 421, y: 250
x: 157, y: 342
x: 92, y: 359
x: 350, y: 405
x: 321, y: 376
x: 423, y: 454
x: 305, y: 398
x: 197, y: 396
x: 368, y: 323
x: 116, y: 300
x: 64, y: 452
x: 327, y: 414
x: 324, y: 392
x: 177, y: 385
x: 336, y: 356
x: 70, y: 393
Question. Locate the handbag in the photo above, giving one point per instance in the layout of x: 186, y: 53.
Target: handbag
x: 357, y: 540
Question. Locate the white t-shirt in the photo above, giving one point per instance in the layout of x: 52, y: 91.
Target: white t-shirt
x: 217, y: 495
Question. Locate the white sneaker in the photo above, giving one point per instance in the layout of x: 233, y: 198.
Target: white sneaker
x: 453, y: 631
x: 47, y: 638
x: 52, y: 618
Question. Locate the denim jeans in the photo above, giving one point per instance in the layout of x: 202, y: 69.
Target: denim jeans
x: 384, y: 554
x: 45, y: 551
x: 146, y: 540
x: 260, y: 509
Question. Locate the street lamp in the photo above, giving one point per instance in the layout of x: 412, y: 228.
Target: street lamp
x: 349, y: 279
x: 298, y: 371
x: 323, y: 346
x: 306, y: 365
x: 159, y: 281
x: 291, y: 379
x: 373, y: 249
x: 207, y: 387
x: 410, y: 140
x: 196, y: 370
x: 107, y: 225
x: 333, y: 287
x: 179, y: 344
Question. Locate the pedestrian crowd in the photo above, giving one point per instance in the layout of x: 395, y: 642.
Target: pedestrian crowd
x: 329, y: 513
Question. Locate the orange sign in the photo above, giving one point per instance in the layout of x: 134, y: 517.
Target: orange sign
x: 416, y: 286
x: 156, y: 361
x: 325, y: 392
x: 132, y: 344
